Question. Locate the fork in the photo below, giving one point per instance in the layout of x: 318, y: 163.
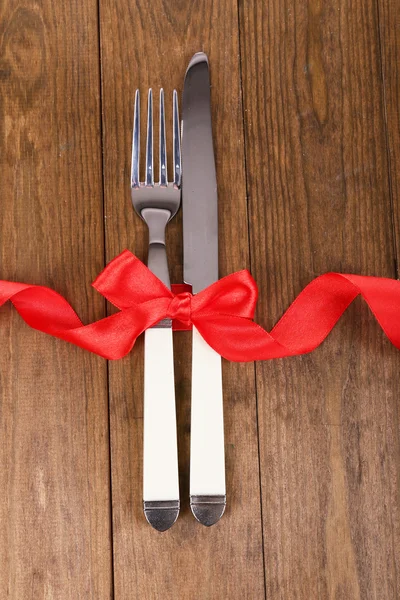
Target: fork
x: 157, y: 204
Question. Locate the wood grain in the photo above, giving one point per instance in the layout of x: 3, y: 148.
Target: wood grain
x: 54, y: 478
x: 319, y: 200
x: 188, y: 561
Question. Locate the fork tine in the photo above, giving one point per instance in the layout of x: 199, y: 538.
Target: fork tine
x: 176, y: 141
x: 149, y: 142
x: 136, y: 143
x: 163, y: 143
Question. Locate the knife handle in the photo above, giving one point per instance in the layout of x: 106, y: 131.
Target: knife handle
x: 207, y: 454
x: 160, y: 450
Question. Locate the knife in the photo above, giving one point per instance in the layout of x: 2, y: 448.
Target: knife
x: 200, y: 250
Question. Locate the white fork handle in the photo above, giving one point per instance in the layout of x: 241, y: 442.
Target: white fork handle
x: 160, y: 452
x: 207, y: 456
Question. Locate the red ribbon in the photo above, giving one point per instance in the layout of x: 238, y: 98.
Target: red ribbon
x: 222, y: 313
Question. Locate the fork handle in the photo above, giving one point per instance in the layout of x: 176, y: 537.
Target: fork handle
x: 207, y: 455
x: 160, y: 452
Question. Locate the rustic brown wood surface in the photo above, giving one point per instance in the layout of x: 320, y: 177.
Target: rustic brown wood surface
x: 306, y: 122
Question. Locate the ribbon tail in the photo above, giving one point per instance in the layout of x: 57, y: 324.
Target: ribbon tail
x: 112, y: 337
x: 47, y: 311
x: 307, y: 321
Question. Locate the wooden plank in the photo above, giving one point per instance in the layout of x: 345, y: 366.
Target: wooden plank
x: 54, y: 478
x: 147, y: 44
x: 389, y: 20
x: 318, y: 201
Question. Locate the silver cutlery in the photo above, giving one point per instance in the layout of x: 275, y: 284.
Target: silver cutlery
x: 157, y: 204
x: 200, y: 246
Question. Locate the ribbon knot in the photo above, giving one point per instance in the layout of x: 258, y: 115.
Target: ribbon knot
x: 180, y: 308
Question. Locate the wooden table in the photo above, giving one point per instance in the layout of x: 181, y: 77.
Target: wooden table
x: 305, y: 106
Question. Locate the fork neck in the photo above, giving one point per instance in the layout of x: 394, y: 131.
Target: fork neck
x: 157, y: 220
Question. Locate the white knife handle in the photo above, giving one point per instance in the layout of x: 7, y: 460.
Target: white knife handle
x: 207, y: 455
x: 160, y: 451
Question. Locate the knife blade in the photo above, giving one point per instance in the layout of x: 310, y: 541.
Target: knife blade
x: 200, y: 248
x: 200, y: 200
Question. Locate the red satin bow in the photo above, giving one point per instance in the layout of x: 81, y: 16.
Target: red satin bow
x: 222, y: 313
